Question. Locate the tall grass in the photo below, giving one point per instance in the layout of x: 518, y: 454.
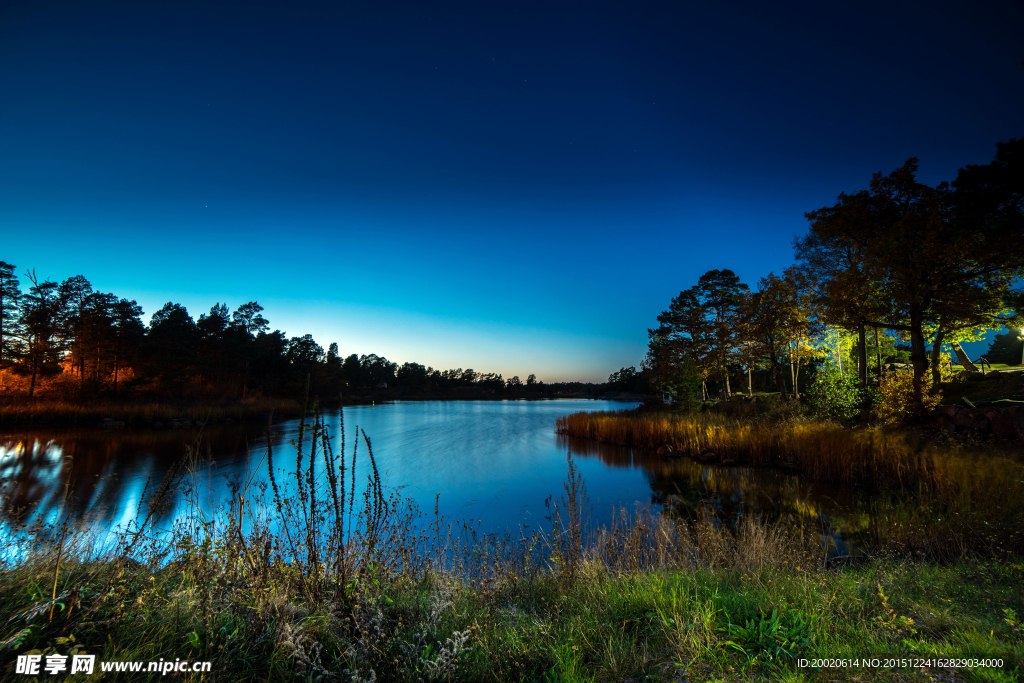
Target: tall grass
x: 69, y: 413
x: 822, y: 451
x: 320, y: 575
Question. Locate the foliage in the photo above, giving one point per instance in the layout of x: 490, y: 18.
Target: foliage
x: 10, y: 293
x: 834, y: 395
x: 627, y: 379
x: 700, y: 326
x: 772, y: 319
x: 770, y: 640
x: 902, y: 254
x: 895, y: 401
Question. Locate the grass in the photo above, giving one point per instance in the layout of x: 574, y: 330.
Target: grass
x: 948, y: 496
x: 304, y: 580
x: 822, y: 451
x: 135, y: 414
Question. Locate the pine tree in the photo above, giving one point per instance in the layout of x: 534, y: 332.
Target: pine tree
x: 10, y: 296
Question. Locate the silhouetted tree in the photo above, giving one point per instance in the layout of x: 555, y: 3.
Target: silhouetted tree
x: 72, y: 297
x: 41, y: 350
x: 413, y: 375
x: 171, y: 353
x: 249, y: 317
x: 128, y: 332
x: 626, y: 379
x: 1007, y: 348
x: 10, y: 295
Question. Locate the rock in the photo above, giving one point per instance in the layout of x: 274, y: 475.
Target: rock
x: 979, y: 422
x: 963, y: 418
x: 951, y: 411
x: 1000, y: 421
x: 1017, y: 420
x: 973, y: 419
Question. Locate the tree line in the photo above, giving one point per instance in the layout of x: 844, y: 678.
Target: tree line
x: 899, y: 264
x: 73, y: 338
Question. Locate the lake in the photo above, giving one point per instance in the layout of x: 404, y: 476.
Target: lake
x: 491, y: 461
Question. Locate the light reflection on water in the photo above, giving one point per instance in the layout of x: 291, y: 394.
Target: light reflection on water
x: 492, y: 461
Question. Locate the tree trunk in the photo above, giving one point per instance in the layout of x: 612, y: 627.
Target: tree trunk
x: 117, y: 359
x: 878, y: 354
x: 796, y: 380
x: 750, y: 382
x: 936, y: 353
x: 780, y: 379
x: 728, y: 389
x: 862, y: 356
x: 792, y: 371
x: 245, y: 381
x: 918, y: 354
x: 32, y: 384
x: 963, y: 357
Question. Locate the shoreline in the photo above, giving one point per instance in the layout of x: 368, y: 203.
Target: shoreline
x: 157, y: 414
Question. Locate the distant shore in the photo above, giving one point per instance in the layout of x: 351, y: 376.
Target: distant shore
x: 143, y: 413
x: 154, y: 413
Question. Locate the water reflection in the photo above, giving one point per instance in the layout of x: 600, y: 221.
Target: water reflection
x: 98, y: 475
x: 492, y: 461
x: 842, y: 516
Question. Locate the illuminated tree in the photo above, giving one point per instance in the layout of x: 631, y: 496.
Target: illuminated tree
x: 902, y: 254
x: 769, y: 320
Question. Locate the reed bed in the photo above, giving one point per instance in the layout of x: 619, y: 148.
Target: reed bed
x: 822, y: 451
x: 136, y: 414
x: 320, y: 575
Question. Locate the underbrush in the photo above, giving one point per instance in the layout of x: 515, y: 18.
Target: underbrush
x: 303, y: 579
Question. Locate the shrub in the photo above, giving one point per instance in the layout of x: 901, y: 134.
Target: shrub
x: 895, y: 401
x: 834, y: 395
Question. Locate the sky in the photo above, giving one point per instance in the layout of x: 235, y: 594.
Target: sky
x: 515, y: 187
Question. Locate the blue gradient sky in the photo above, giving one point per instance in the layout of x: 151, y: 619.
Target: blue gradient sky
x: 510, y: 186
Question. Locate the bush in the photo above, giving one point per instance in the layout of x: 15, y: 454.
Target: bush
x: 895, y: 400
x: 833, y: 395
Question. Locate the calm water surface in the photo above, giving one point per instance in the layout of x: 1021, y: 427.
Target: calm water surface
x: 492, y: 461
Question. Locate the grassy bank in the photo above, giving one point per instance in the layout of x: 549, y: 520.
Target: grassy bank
x: 738, y: 621
x: 304, y: 580
x: 42, y: 412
